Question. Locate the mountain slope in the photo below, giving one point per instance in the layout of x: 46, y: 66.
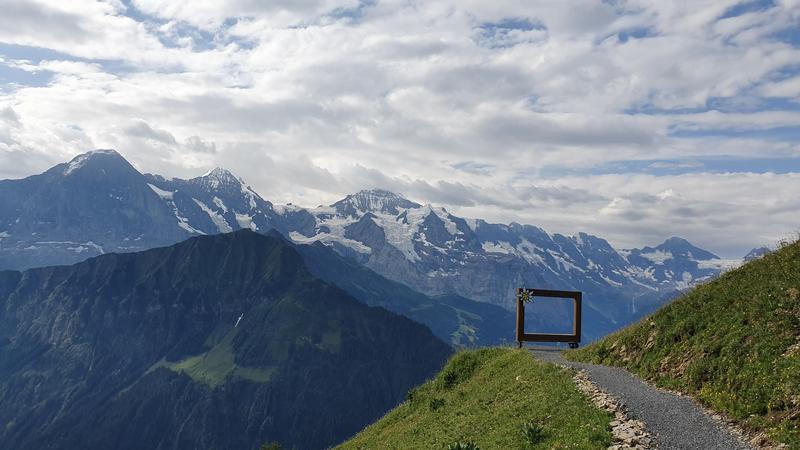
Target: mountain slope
x: 216, y: 202
x: 733, y: 343
x: 99, y: 203
x: 217, y: 342
x: 452, y: 318
x: 99, y: 194
x: 676, y: 264
x: 756, y: 253
x: 96, y: 203
x: 437, y: 253
x: 487, y: 397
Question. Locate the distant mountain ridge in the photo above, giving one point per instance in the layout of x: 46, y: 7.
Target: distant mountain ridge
x: 417, y: 231
x: 99, y: 193
x: 222, y: 342
x: 436, y: 252
x: 756, y: 253
x: 77, y: 210
x: 94, y: 204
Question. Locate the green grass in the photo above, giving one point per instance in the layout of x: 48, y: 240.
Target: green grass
x: 733, y: 343
x: 496, y: 398
x: 213, y: 367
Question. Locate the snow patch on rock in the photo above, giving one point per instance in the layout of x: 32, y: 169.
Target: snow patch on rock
x: 165, y: 195
x: 219, y: 221
x: 327, y: 238
x: 658, y: 256
x: 246, y: 221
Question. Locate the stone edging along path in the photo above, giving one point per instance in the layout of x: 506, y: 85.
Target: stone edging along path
x: 648, y: 417
x: 628, y: 433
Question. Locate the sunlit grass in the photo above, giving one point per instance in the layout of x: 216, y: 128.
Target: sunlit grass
x: 491, y: 397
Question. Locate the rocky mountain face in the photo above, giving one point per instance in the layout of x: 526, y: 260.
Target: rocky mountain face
x: 435, y: 252
x: 105, y: 205
x: 216, y: 202
x: 98, y: 203
x: 756, y: 253
x: 454, y: 319
x: 222, y: 341
x: 94, y: 204
x: 675, y: 264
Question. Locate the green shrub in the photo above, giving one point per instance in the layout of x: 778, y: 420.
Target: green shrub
x: 436, y: 403
x: 411, y: 394
x: 534, y: 433
x: 272, y: 446
x: 460, y: 369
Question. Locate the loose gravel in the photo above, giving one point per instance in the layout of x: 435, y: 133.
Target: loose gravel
x: 674, y: 422
x: 628, y: 433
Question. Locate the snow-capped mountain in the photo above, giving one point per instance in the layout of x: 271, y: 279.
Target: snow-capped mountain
x: 756, y: 253
x: 216, y: 202
x: 94, y: 204
x: 433, y: 250
x: 675, y: 264
x: 99, y: 203
x: 436, y: 252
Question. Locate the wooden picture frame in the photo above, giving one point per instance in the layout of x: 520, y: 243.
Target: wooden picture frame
x: 525, y: 294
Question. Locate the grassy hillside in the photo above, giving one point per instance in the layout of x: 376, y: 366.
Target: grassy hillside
x: 734, y: 344
x: 494, y: 398
x: 221, y: 342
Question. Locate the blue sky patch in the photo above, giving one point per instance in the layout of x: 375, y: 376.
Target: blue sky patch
x: 505, y: 33
x: 787, y: 133
x: 672, y: 167
x: 474, y: 167
x: 36, y: 55
x: 747, y: 7
x: 635, y: 33
x: 12, y: 78
x: 353, y: 15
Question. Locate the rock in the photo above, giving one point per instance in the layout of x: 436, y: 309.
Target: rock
x: 627, y: 432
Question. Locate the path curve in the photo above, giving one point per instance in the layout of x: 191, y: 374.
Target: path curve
x: 675, y: 422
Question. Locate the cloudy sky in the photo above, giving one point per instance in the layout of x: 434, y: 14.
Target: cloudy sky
x: 633, y: 120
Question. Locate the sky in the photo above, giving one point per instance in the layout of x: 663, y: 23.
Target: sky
x: 632, y: 120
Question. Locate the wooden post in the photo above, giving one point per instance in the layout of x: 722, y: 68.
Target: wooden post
x: 576, y: 326
x: 520, y: 318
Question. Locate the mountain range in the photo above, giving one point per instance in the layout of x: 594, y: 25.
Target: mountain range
x: 99, y: 203
x: 224, y: 341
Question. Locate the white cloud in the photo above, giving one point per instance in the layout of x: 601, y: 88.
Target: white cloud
x: 502, y: 109
x: 786, y: 88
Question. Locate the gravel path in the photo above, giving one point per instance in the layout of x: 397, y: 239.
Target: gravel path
x: 675, y: 422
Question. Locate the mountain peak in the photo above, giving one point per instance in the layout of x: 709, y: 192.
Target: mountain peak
x: 675, y: 240
x: 756, y: 253
x: 380, y: 193
x: 82, y: 160
x: 218, y: 177
x: 679, y: 246
x: 373, y: 200
x: 217, y: 172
